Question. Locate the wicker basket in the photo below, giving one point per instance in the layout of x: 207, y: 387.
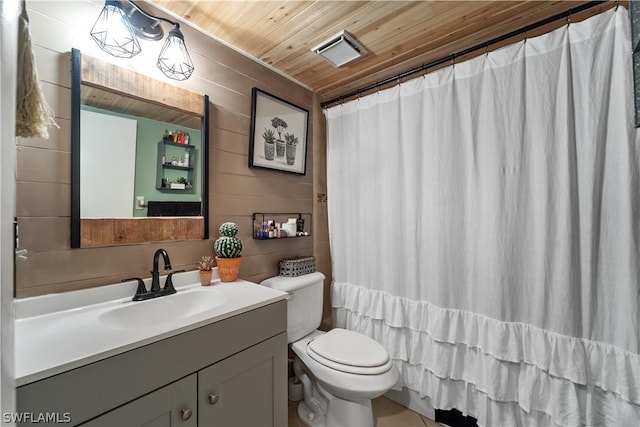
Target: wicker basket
x: 297, y: 266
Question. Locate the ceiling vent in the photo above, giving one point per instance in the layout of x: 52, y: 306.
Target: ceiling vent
x: 340, y: 49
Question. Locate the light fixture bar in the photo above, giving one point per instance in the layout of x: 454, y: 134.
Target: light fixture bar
x: 146, y: 14
x: 116, y: 29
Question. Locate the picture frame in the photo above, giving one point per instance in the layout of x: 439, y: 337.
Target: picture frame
x: 278, y: 138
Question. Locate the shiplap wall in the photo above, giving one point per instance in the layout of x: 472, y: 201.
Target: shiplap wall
x: 236, y: 191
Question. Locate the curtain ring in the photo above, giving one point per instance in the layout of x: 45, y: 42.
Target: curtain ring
x: 617, y: 5
x: 486, y: 49
x: 569, y: 18
x: 453, y: 60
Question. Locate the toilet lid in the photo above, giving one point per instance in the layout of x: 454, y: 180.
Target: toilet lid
x: 349, y: 351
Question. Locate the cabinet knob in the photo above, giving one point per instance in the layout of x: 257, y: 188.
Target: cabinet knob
x: 213, y: 399
x: 186, y: 414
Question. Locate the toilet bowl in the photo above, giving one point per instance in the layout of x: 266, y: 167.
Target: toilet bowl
x: 340, y: 370
x: 332, y: 395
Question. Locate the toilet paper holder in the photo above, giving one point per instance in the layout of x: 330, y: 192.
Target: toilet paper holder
x: 295, y: 389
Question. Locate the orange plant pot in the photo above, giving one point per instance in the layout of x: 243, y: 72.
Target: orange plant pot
x: 205, y: 277
x: 228, y: 268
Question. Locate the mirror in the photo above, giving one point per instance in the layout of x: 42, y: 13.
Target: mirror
x: 139, y: 156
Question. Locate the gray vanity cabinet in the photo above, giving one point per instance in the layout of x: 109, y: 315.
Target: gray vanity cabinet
x: 232, y: 372
x: 243, y: 390
x: 172, y: 405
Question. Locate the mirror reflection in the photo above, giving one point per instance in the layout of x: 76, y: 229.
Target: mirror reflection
x: 140, y: 166
x: 153, y: 161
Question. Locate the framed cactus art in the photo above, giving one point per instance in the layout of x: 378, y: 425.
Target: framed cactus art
x: 278, y: 137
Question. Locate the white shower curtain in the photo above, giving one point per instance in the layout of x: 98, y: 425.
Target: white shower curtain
x: 485, y: 228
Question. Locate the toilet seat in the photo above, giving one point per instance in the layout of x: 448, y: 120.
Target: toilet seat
x: 350, y: 352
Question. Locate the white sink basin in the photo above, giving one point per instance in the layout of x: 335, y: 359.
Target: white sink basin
x: 161, y: 310
x: 102, y: 322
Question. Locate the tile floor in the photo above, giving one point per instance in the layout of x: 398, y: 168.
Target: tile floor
x: 386, y: 413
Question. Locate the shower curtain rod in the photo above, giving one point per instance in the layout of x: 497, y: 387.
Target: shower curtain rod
x: 453, y: 56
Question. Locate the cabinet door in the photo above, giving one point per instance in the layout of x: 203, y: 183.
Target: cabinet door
x: 246, y: 389
x: 174, y: 405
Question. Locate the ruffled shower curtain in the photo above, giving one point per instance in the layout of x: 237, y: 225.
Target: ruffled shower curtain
x: 485, y: 228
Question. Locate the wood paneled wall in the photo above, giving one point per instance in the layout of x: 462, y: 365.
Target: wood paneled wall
x: 236, y: 191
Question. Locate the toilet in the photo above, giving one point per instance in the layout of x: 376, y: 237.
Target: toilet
x: 340, y: 370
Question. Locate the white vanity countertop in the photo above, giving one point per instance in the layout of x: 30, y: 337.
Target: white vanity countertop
x: 58, y: 332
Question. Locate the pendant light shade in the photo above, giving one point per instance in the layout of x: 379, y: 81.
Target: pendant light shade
x: 113, y: 32
x: 174, y: 60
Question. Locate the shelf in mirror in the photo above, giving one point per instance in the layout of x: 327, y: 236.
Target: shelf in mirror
x: 176, y: 169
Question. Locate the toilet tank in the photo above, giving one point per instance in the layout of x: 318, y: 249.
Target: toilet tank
x: 304, y: 305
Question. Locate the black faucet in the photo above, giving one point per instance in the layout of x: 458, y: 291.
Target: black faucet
x: 155, y: 275
x: 155, y: 291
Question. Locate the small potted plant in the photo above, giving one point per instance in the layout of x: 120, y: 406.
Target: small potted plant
x: 228, y: 248
x: 280, y: 126
x: 206, y: 270
x: 269, y: 137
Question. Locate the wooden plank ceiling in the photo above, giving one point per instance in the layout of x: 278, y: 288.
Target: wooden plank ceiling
x: 398, y: 35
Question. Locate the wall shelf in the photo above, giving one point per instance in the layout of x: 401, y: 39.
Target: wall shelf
x: 266, y: 225
x: 168, y: 153
x: 180, y: 168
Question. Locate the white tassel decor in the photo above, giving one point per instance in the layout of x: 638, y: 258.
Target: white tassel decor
x: 33, y: 115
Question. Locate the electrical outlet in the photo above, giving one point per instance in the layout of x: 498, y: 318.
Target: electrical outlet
x: 140, y: 202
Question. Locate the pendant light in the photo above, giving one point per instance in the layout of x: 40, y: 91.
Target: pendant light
x: 120, y: 24
x: 113, y: 32
x: 174, y: 60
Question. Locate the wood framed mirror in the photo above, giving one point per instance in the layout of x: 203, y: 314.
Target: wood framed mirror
x: 139, y: 158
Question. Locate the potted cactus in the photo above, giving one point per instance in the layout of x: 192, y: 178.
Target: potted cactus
x: 206, y: 270
x: 292, y: 143
x: 269, y: 137
x: 280, y: 125
x: 228, y: 248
